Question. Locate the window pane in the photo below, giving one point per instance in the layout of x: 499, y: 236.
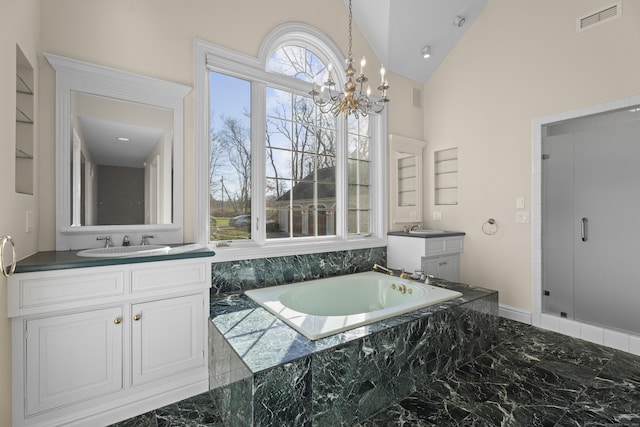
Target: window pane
x: 359, y: 173
x: 230, y: 158
x: 298, y: 62
x: 279, y: 104
x: 301, y: 149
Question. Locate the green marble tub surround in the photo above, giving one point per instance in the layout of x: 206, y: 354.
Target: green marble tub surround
x: 237, y: 276
x: 344, y: 378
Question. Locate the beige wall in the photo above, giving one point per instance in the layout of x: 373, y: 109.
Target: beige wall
x: 156, y: 38
x: 520, y: 60
x: 19, y: 24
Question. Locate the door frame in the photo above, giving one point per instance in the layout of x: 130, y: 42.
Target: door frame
x: 599, y: 335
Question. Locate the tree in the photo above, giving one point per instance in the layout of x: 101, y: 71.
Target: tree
x: 230, y: 154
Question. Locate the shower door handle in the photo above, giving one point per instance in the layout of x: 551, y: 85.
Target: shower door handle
x: 583, y: 229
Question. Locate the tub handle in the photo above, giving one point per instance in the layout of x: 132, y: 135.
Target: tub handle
x: 583, y: 229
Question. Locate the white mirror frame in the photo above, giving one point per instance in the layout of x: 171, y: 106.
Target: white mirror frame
x: 400, y: 147
x: 77, y: 76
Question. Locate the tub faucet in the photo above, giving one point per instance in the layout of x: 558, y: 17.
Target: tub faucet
x: 125, y: 241
x: 107, y: 241
x: 390, y: 271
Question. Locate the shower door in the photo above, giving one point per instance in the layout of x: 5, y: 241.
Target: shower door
x: 591, y: 225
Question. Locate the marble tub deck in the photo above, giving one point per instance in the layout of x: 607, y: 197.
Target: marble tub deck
x: 532, y: 377
x: 264, y: 373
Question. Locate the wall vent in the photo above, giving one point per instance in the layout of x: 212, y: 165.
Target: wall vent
x: 599, y: 17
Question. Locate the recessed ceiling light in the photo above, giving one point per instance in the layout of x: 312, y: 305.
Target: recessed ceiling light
x: 123, y: 139
x: 426, y: 52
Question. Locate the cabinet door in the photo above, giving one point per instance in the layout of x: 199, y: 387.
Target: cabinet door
x: 167, y: 337
x: 71, y: 358
x: 448, y: 268
x: 444, y: 267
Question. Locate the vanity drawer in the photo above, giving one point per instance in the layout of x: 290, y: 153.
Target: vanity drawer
x: 443, y: 245
x: 170, y: 276
x: 60, y: 289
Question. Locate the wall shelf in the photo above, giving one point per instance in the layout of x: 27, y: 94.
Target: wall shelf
x: 446, y: 177
x: 25, y: 120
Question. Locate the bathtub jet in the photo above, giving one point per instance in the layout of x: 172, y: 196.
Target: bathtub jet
x: 324, y: 307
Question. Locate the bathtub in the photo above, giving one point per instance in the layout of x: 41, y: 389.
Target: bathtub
x: 323, y: 307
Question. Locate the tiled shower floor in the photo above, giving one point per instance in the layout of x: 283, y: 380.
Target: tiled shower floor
x: 533, y: 377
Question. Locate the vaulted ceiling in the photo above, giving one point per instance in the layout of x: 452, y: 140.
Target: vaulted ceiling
x: 399, y: 29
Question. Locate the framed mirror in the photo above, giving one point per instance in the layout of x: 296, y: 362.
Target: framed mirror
x: 119, y: 161
x: 405, y: 180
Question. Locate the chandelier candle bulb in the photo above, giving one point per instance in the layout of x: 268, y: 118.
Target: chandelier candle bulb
x: 363, y: 62
x: 382, y: 73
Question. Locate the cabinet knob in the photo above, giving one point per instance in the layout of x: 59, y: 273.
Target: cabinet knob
x: 117, y: 320
x: 137, y: 317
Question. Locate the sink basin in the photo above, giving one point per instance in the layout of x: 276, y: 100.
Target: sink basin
x: 124, y: 251
x: 425, y: 231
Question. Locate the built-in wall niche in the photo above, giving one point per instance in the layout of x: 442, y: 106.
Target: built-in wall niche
x: 25, y: 128
x: 446, y: 177
x: 405, y: 183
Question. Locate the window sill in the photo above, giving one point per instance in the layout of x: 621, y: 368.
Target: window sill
x: 236, y: 253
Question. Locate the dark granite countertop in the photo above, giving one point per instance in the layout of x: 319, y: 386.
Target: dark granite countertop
x: 444, y: 233
x: 61, y: 260
x: 263, y: 341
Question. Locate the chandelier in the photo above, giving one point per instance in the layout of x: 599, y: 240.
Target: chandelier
x: 354, y: 100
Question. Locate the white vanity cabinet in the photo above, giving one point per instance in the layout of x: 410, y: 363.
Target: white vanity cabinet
x: 95, y: 345
x: 437, y: 256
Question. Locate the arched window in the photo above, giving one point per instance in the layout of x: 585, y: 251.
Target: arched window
x: 298, y: 62
x: 275, y: 161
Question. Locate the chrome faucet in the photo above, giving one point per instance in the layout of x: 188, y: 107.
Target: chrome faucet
x: 390, y: 271
x: 145, y: 239
x: 107, y: 241
x: 125, y: 241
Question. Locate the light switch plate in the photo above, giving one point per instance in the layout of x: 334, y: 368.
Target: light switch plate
x: 28, y: 222
x: 436, y: 215
x: 522, y: 217
x: 520, y: 203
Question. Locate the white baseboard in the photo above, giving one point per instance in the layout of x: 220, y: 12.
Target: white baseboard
x: 514, y: 313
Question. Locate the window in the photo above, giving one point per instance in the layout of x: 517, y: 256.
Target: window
x: 283, y: 177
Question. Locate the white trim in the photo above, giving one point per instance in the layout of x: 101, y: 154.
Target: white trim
x: 217, y: 58
x: 234, y: 253
x: 543, y: 320
x: 514, y: 313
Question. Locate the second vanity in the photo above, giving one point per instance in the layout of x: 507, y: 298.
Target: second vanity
x: 97, y: 340
x: 436, y: 253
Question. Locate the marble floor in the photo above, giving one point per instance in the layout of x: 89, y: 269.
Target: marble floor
x: 532, y: 377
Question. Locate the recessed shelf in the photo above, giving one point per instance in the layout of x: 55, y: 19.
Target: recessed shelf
x: 446, y: 177
x: 25, y: 107
x: 22, y: 155
x: 22, y: 86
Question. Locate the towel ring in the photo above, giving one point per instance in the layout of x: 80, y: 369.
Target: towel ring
x: 12, y: 269
x: 490, y: 227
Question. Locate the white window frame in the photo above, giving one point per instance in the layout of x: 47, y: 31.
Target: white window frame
x: 212, y: 57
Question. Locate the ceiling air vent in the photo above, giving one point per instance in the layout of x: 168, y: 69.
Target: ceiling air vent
x: 599, y: 17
